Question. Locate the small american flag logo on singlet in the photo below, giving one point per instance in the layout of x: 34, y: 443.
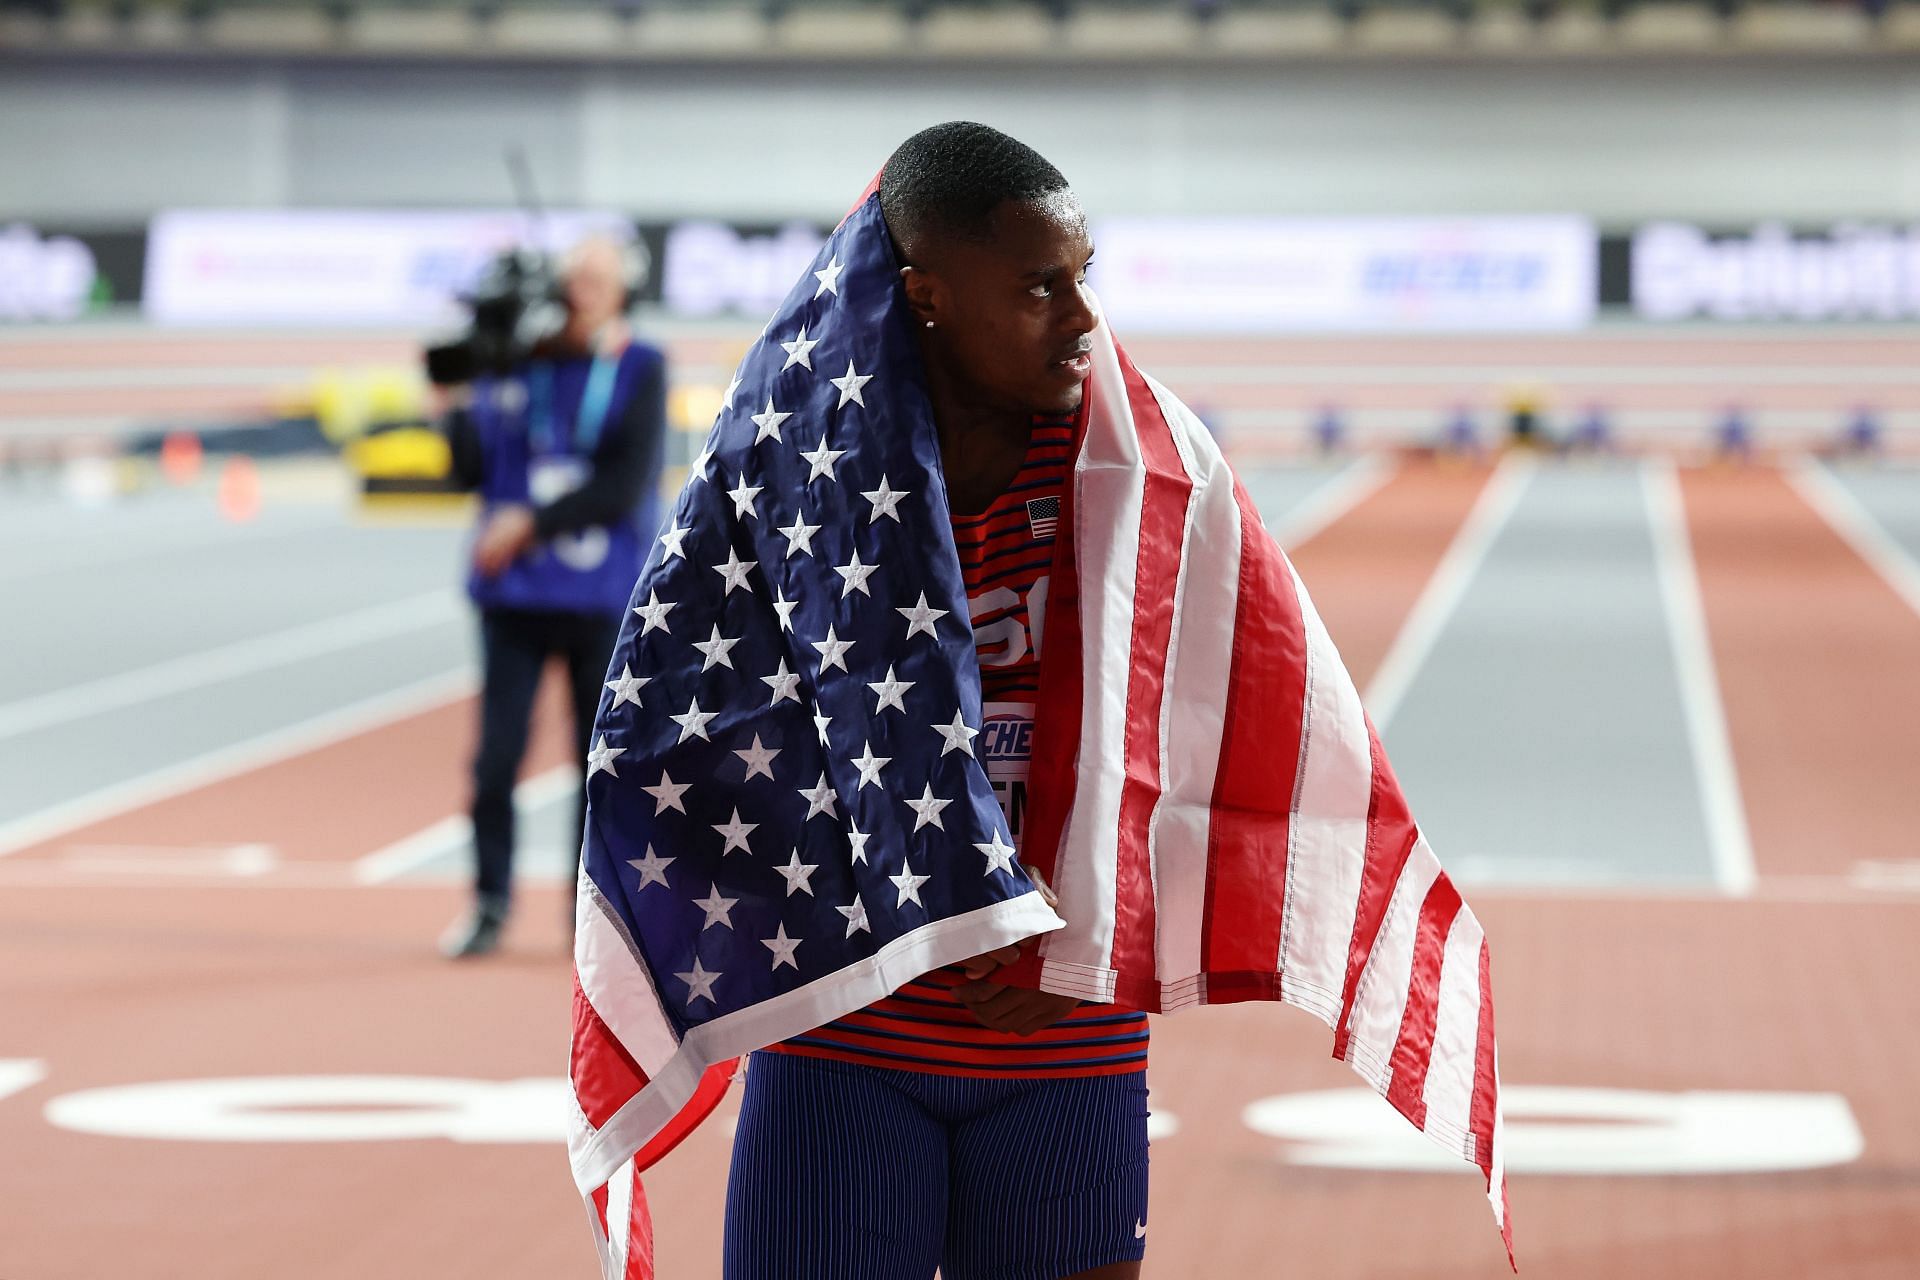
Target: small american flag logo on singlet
x: 1043, y: 515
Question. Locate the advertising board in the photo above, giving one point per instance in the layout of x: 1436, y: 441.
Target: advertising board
x: 1346, y: 274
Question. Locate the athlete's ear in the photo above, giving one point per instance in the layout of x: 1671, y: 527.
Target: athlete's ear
x: 926, y: 295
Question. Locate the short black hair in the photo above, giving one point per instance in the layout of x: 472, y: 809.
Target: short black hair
x: 946, y: 181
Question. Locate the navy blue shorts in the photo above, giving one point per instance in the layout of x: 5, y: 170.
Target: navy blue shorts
x: 850, y: 1172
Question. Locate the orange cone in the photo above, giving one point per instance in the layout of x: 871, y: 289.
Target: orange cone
x: 239, y: 496
x: 180, y: 457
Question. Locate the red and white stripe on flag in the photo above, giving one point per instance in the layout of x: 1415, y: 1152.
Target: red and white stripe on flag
x: 1209, y: 799
x: 622, y: 1227
x: 620, y: 1035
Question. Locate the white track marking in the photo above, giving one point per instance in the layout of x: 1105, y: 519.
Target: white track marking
x: 1447, y: 586
x: 225, y: 762
x: 20, y: 1073
x: 1339, y: 494
x: 157, y: 542
x: 1713, y: 764
x: 431, y: 842
x: 1822, y: 491
x: 166, y: 860
x: 229, y: 662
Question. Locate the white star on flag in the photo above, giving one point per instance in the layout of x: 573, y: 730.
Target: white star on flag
x: 671, y: 540
x: 667, y: 795
x: 799, y: 535
x: 652, y: 869
x: 694, y: 723
x: 699, y: 983
x: 768, y: 421
x: 717, y: 909
x: 858, y: 839
x: 782, y: 947
x: 833, y: 652
x: 699, y: 467
x: 736, y: 833
x: 856, y: 917
x: 999, y: 855
x: 759, y: 759
x: 735, y: 571
x: 927, y: 809
x: 890, y: 691
x: 784, y: 683
x: 920, y: 617
x: 820, y: 722
x: 654, y: 612
x: 886, y: 502
x: 743, y: 495
x: 850, y: 387
x: 958, y: 736
x: 799, y: 351
x: 732, y: 387
x: 715, y: 651
x: 798, y: 874
x: 870, y: 766
x: 820, y: 462
x: 829, y: 277
x: 783, y: 608
x: 909, y: 886
x: 627, y: 688
x: 602, y: 757
x: 820, y: 798
x: 854, y: 576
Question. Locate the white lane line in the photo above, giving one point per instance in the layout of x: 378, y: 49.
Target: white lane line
x: 1447, y: 586
x: 204, y: 860
x: 1730, y: 845
x: 433, y: 842
x: 162, y: 541
x: 1820, y: 489
x: 228, y: 662
x: 36, y: 873
x: 1346, y: 489
x: 225, y: 762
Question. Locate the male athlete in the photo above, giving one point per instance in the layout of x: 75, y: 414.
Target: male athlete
x: 994, y: 1132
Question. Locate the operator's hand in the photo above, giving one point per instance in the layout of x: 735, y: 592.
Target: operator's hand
x: 508, y: 532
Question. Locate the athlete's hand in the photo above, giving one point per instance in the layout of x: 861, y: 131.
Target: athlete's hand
x: 985, y: 963
x: 1014, y: 1009
x: 507, y: 533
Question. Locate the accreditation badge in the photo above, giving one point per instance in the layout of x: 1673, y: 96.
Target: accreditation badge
x: 551, y: 478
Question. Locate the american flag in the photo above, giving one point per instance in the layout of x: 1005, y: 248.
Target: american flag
x: 787, y: 818
x: 1043, y: 516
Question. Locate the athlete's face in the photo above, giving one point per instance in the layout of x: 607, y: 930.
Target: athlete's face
x: 1011, y: 316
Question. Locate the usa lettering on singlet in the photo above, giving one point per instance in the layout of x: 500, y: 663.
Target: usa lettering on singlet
x: 1005, y: 554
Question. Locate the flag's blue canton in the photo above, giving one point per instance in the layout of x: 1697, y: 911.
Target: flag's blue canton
x: 782, y: 777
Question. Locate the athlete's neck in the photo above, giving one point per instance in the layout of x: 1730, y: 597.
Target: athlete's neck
x: 982, y: 445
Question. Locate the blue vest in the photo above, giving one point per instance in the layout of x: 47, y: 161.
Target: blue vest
x: 538, y: 429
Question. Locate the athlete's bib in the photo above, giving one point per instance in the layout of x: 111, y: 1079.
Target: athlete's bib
x: 1005, y: 748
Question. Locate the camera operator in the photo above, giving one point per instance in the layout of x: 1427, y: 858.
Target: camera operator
x: 564, y: 446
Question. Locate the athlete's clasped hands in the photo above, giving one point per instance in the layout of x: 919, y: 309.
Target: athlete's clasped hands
x: 1015, y: 1010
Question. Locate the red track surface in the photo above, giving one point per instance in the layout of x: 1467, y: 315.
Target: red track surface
x: 125, y: 983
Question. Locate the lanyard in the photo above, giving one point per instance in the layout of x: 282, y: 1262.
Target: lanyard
x: 595, y: 402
